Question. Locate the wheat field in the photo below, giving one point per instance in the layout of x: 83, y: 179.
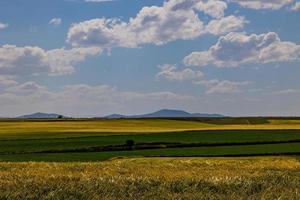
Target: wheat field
x: 68, y: 127
x: 154, y: 178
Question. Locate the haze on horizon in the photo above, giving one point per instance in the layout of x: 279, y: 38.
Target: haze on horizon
x: 95, y: 57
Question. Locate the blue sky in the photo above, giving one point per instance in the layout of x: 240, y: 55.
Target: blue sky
x: 81, y: 58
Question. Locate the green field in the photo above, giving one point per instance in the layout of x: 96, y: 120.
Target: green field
x: 220, y: 151
x: 85, y: 140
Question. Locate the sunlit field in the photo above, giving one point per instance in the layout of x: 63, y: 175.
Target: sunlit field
x: 101, y: 139
x: 154, y: 178
x: 201, y: 158
x: 48, y: 128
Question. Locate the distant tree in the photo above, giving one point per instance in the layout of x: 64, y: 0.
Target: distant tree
x: 130, y: 144
x: 60, y: 116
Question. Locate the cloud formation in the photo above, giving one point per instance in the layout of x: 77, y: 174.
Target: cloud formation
x: 6, y: 81
x: 34, y: 60
x: 3, y: 26
x: 170, y: 72
x: 55, y: 21
x: 225, y: 25
x: 175, y: 20
x: 26, y: 88
x: 264, y: 4
x: 83, y: 99
x: 213, y: 8
x: 296, y: 6
x: 235, y: 49
x: 224, y: 86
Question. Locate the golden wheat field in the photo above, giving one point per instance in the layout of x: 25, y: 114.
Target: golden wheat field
x: 54, y: 127
x: 154, y: 178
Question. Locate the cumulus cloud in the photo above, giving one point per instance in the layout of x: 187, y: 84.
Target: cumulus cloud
x: 55, y: 21
x: 296, y: 6
x: 3, y: 26
x: 33, y: 60
x: 175, y: 20
x: 213, y: 8
x: 225, y: 25
x: 224, y: 86
x: 26, y: 88
x: 263, y: 4
x: 286, y: 92
x: 235, y: 49
x: 152, y: 25
x: 6, y: 81
x: 170, y: 72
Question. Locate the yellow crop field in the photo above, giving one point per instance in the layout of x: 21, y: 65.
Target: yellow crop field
x: 46, y: 127
x: 154, y: 178
x: 92, y: 126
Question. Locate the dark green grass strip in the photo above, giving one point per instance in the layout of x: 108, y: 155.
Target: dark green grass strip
x: 205, y: 137
x: 223, y: 151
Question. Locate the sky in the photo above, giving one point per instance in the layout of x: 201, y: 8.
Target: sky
x: 86, y: 58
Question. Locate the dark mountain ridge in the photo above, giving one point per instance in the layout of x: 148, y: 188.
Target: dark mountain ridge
x: 40, y: 115
x: 165, y: 113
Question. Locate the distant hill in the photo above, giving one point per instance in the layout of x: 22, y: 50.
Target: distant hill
x: 115, y: 116
x: 165, y: 113
x: 41, y: 116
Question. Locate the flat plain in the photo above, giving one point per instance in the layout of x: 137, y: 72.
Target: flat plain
x: 101, y: 139
x: 201, y: 158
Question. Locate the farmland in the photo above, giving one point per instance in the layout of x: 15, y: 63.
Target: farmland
x: 154, y: 178
x: 101, y: 139
x: 10, y: 128
x: 201, y: 158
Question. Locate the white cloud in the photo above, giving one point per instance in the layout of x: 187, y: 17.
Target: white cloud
x: 62, y: 61
x: 6, y: 81
x: 286, y: 92
x: 152, y: 25
x: 235, y: 49
x: 213, y: 8
x: 171, y: 73
x: 263, y: 4
x: 296, y: 6
x: 224, y: 86
x: 3, y: 26
x: 225, y: 25
x: 33, y: 60
x: 26, y: 88
x: 175, y: 20
x: 55, y: 21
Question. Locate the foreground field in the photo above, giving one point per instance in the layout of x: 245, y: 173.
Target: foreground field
x: 154, y: 178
